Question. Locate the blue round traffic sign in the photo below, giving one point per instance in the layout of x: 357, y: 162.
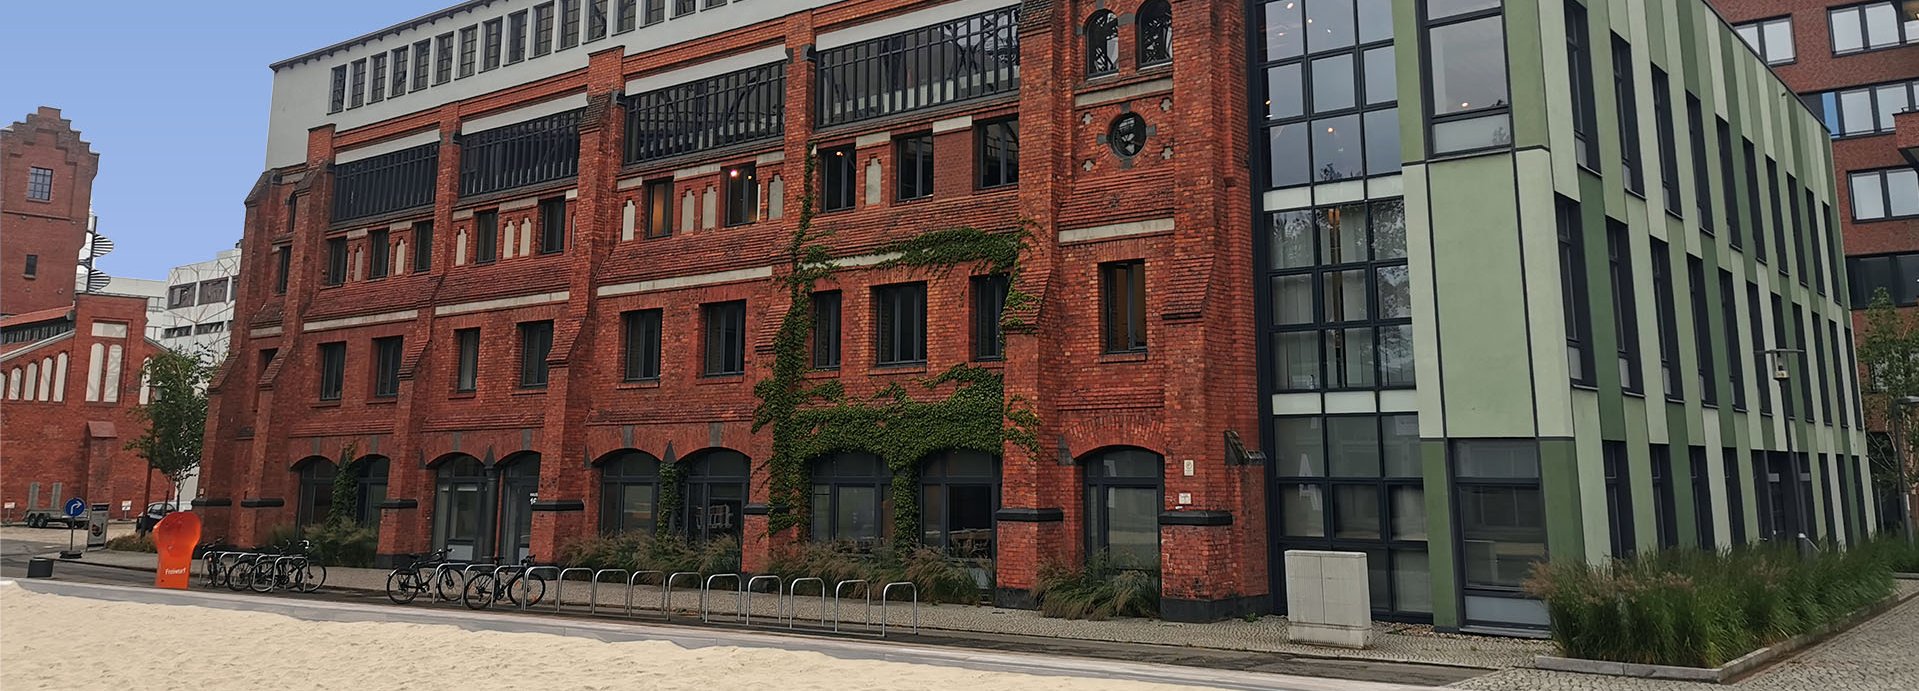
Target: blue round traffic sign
x: 76, y: 508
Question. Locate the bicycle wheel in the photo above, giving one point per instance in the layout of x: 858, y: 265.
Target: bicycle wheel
x: 311, y: 575
x: 448, y: 586
x: 265, y: 578
x: 239, y: 576
x: 400, y: 586
x: 479, y: 592
x: 527, y: 590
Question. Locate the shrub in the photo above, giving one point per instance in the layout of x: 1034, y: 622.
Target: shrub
x: 638, y: 551
x: 132, y: 543
x: 343, y: 543
x: 939, y: 578
x: 1893, y: 551
x: 1702, y: 608
x: 1104, y: 588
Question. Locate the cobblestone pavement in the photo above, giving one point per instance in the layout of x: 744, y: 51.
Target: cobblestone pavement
x: 1396, y: 643
x: 1882, y: 654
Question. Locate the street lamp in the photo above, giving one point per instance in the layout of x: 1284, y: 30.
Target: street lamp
x: 1782, y: 373
x: 1899, y: 406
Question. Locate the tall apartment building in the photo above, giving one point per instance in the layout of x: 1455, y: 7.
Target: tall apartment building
x: 526, y: 262
x: 1856, y: 64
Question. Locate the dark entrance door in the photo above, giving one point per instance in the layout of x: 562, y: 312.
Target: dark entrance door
x: 519, y: 484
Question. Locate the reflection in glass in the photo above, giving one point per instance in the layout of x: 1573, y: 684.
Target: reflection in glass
x: 1285, y: 35
x: 1298, y: 446
x: 1288, y: 162
x: 1333, y: 83
x: 1330, y: 25
x: 1382, y: 141
x: 1132, y: 530
x: 1345, y: 293
x: 1412, y: 581
x: 1382, y: 82
x: 1293, y: 299
x: 1395, y: 291
x: 1349, y: 355
x: 1409, y: 513
x: 1354, y: 451
x: 1468, y: 66
x: 1337, y: 152
x: 1399, y: 435
x: 1396, y: 355
x: 1292, y: 240
x: 1343, y: 230
x: 1296, y: 360
x: 1356, y: 513
x: 1389, y: 229
x: 1284, y: 95
x: 1503, y: 530
x: 1302, y: 511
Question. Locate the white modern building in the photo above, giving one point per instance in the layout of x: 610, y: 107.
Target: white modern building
x: 198, y: 305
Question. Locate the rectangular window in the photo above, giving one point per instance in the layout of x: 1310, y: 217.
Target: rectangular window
x: 1801, y: 267
x: 1735, y: 499
x: 40, y: 184
x: 466, y: 369
x: 1579, y: 63
x: 1572, y: 292
x: 386, y: 367
x: 377, y: 92
x: 399, y: 70
x: 336, y: 100
x: 1668, y: 142
x: 553, y: 228
x: 655, y: 11
x: 1625, y: 310
x: 542, y: 29
x: 494, y: 44
x: 595, y: 20
x: 336, y: 261
x: 913, y: 158
x: 1702, y: 332
x: 569, y: 23
x: 1778, y: 207
x: 516, y: 37
x: 358, y: 94
x: 443, y: 58
x: 379, y: 253
x: 682, y: 8
x: 742, y: 195
x: 1668, y: 323
x: 422, y: 246
x: 1122, y: 299
x: 1501, y: 512
x: 283, y: 265
x: 1864, y: 110
x: 839, y: 178
x: 989, y: 300
x: 1664, y: 505
x: 1771, y: 39
x: 1896, y: 274
x: 642, y: 347
x: 384, y: 183
x: 1727, y: 186
x: 659, y: 208
x: 422, y: 63
x: 1701, y: 179
x: 999, y: 153
x: 1340, y: 286
x: 523, y: 153
x: 486, y: 236
x: 1466, y: 54
x: 826, y: 330
x: 1627, y: 111
x: 33, y: 266
x: 1761, y: 368
x: 1755, y: 203
x: 1873, y: 26
x: 469, y: 50
x: 627, y: 13
x: 181, y: 296
x: 1773, y: 362
x: 1879, y: 195
x: 1701, y: 496
x: 332, y: 370
x: 899, y: 323
x: 536, y: 342
x: 1619, y: 523
x: 725, y: 337
x: 1803, y: 373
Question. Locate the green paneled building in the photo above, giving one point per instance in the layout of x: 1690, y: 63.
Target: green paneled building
x: 1541, y: 278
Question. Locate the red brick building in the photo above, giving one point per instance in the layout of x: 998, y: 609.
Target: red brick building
x: 519, y: 257
x: 1857, y: 64
x: 69, y: 361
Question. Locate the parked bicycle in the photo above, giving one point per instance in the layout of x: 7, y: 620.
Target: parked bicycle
x: 293, y: 570
x: 518, y: 587
x: 416, y: 578
x: 215, y: 565
x: 239, y: 575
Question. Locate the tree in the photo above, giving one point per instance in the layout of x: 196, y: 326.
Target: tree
x: 175, y: 415
x: 1889, y: 350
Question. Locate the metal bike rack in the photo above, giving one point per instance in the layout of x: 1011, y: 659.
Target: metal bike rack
x: 739, y: 598
x: 559, y: 583
x: 433, y: 582
x: 778, y: 581
x: 836, y: 602
x: 593, y: 591
x: 666, y: 591
x: 888, y: 590
x: 792, y: 596
x: 499, y: 581
x: 526, y: 572
x: 632, y: 581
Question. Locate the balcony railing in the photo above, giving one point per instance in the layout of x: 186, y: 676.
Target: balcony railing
x: 739, y: 106
x: 953, y: 61
x: 389, y: 182
x: 521, y: 154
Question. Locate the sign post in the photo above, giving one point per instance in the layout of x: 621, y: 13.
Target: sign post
x: 73, y: 510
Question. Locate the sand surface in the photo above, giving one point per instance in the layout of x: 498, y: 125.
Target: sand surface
x: 58, y: 642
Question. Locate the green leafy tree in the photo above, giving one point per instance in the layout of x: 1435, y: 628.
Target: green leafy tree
x: 1889, y: 351
x: 175, y: 415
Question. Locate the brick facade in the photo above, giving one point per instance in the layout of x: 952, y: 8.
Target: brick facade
x: 51, y: 230
x: 1180, y: 205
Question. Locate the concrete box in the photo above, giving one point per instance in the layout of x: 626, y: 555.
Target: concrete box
x: 1328, y: 599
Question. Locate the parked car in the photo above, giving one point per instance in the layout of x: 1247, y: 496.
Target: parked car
x: 151, y: 517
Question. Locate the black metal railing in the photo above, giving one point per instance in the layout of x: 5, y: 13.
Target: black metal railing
x: 739, y: 106
x: 385, y: 183
x: 965, y: 58
x: 520, y: 154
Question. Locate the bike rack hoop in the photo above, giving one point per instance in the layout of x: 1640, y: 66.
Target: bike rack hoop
x: 739, y: 598
x: 778, y: 582
x: 593, y: 591
x: 666, y: 590
x: 632, y: 581
x: 559, y: 583
x: 888, y: 590
x: 527, y: 572
x: 792, y: 595
x: 441, y: 569
x: 836, y: 601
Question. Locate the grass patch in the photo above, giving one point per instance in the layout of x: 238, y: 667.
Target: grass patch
x: 1702, y: 608
x: 1102, y: 589
x: 132, y: 543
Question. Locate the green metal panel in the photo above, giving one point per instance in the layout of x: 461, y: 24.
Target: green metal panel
x: 1559, y: 485
x: 1525, y: 78
x: 1480, y: 297
x: 1408, y: 46
x: 1439, y: 525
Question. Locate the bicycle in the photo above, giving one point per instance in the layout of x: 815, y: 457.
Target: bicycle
x: 209, y: 551
x: 293, y: 570
x: 518, y: 587
x: 239, y: 576
x: 408, y: 582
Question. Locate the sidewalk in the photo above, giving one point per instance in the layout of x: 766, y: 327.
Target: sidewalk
x: 1392, y: 643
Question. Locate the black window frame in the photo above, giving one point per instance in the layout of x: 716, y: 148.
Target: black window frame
x: 1906, y: 36
x: 336, y: 261
x: 536, y: 343
x: 1755, y: 204
x: 466, y: 360
x: 1584, y: 102
x: 422, y: 64
x: 1098, y: 520
x: 961, y: 59
x: 1666, y: 319
x: 596, y: 21
x: 387, y: 183
x: 387, y: 352
x: 1293, y: 135
x: 1619, y: 505
x: 469, y: 52
x: 524, y: 153
x: 723, y: 110
x: 913, y: 165
x: 1764, y: 48
x: 486, y: 236
x: 827, y: 312
x: 356, y: 95
x: 1667, y: 141
x: 1665, y: 517
x: 1699, y: 474
x: 1773, y: 183
x: 493, y: 42
x: 724, y: 324
x: 336, y: 96
x: 569, y: 25
x: 618, y: 471
x: 400, y: 58
x: 1883, y: 179
x: 542, y: 29
x: 827, y: 479
x: 1735, y: 496
x: 1153, y: 34
x: 379, y: 244
x: 658, y: 197
x: 1501, y: 109
x: 1728, y: 183
x: 422, y: 246
x: 1123, y: 306
x: 283, y: 267
x: 1330, y: 276
x: 1626, y: 100
x: 839, y: 178
x: 899, y: 324
x: 443, y: 58
x: 32, y: 268
x: 1729, y: 317
x: 640, y: 345
x: 1323, y: 463
x: 742, y: 194
x: 996, y: 148
x: 1701, y: 176
x: 332, y: 370
x: 1101, y: 35
x: 553, y: 225
x: 988, y: 300
x: 516, y: 37
x: 1761, y: 368
x: 1625, y: 307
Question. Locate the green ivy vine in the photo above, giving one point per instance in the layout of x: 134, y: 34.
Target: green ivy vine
x: 811, y: 419
x: 668, y: 509
x: 346, y: 488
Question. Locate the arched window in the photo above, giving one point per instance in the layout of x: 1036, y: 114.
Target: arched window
x: 959, y: 491
x: 460, y: 495
x: 851, y: 499
x: 1155, y: 27
x: 1102, y: 43
x: 316, y: 491
x: 715, y: 493
x: 1122, y: 505
x: 370, y: 473
x: 629, y: 491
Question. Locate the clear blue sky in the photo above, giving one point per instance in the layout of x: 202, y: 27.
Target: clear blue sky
x: 173, y: 96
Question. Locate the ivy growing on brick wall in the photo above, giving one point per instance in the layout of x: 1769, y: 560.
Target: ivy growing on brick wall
x: 346, y: 488
x: 811, y: 419
x: 667, y: 512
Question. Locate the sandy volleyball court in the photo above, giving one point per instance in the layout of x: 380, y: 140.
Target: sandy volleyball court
x: 59, y: 642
